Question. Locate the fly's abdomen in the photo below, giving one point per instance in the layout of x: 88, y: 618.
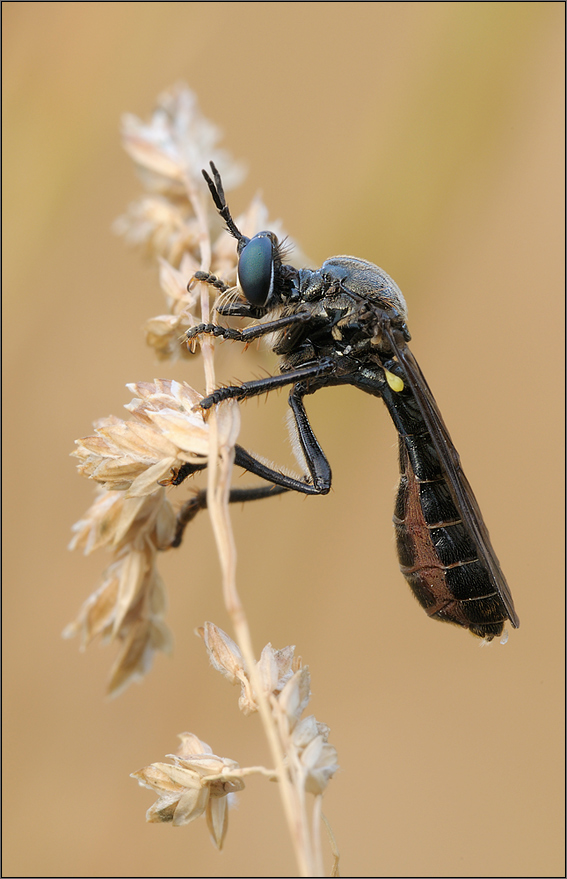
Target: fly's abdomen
x: 437, y: 555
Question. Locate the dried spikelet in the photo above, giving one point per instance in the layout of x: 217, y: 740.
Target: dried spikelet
x: 134, y: 519
x: 198, y: 782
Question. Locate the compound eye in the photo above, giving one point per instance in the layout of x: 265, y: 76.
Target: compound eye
x: 256, y: 270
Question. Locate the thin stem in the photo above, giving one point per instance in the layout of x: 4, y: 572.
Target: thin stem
x: 219, y: 486
x: 316, y: 834
x: 224, y: 425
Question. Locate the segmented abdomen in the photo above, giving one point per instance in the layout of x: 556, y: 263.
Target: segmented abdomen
x: 437, y: 555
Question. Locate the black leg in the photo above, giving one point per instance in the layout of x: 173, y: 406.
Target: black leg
x: 279, y: 482
x: 319, y: 479
x: 315, y: 370
x: 317, y: 464
x: 248, y: 334
x: 276, y: 477
x: 199, y: 502
x: 211, y: 280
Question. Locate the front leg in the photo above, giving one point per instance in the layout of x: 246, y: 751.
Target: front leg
x: 211, y: 280
x: 248, y: 334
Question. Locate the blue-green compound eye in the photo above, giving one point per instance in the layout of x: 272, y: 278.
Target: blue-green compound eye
x: 256, y: 270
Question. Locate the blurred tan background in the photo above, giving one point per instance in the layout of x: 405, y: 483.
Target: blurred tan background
x: 427, y: 137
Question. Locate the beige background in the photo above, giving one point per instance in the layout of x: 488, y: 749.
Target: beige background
x: 428, y: 138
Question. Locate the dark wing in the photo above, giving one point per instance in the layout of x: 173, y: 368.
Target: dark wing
x: 458, y: 483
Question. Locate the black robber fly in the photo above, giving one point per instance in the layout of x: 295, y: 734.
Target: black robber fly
x: 345, y: 324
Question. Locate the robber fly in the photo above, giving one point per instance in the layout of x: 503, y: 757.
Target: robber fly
x: 345, y: 324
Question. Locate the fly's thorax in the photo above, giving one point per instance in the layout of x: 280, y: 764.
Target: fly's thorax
x: 366, y: 280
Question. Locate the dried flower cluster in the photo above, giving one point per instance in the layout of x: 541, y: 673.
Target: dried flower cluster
x: 131, y: 459
x: 196, y: 783
x: 169, y: 222
x: 134, y: 519
x: 285, y: 682
x: 199, y: 782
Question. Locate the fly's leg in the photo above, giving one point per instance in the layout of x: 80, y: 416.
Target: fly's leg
x: 319, y: 479
x: 248, y: 334
x: 278, y: 482
x: 211, y: 280
x: 313, y: 454
x: 199, y: 502
x: 316, y: 370
x: 320, y: 473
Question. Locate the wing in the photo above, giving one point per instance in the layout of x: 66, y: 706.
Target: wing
x: 460, y: 488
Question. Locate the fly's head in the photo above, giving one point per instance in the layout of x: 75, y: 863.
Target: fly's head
x: 263, y: 279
